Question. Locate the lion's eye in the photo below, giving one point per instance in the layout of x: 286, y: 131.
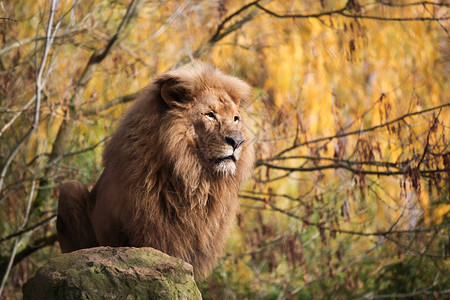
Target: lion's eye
x: 236, y: 119
x: 211, y: 116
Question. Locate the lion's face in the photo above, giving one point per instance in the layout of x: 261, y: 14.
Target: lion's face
x: 203, y: 123
x: 217, y: 131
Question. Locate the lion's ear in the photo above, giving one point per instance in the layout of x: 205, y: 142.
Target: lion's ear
x: 174, y: 93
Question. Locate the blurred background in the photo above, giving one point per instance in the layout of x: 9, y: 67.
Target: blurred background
x: 350, y: 116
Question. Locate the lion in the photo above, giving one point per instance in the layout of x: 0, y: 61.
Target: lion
x: 172, y: 172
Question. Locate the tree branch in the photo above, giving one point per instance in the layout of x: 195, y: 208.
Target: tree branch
x: 31, y: 228
x: 390, y: 19
x: 344, y: 12
x: 357, y: 132
x: 116, y: 101
x: 420, y: 3
x: 39, y: 38
x: 337, y: 160
x: 348, y: 168
x: 8, y: 19
x: 39, y: 87
x: 343, y: 231
x: 221, y: 32
x: 218, y: 35
x: 300, y: 16
x: 10, y: 122
x: 427, y: 144
x: 96, y: 58
x: 27, y: 251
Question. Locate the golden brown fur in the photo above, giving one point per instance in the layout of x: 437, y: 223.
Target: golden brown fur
x: 172, y: 172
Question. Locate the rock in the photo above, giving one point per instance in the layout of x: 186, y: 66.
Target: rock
x: 113, y: 273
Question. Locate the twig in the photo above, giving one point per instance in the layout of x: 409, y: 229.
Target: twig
x: 39, y: 38
x: 378, y: 18
x: 27, y: 251
x: 109, y: 104
x: 39, y: 86
x: 412, y: 295
x: 18, y: 241
x: 386, y: 233
x: 348, y: 168
x: 59, y: 144
x: 217, y: 35
x: 427, y: 144
x: 220, y: 33
x: 344, y: 134
x: 7, y: 125
x: 300, y: 16
x: 420, y: 3
x: 343, y: 12
x: 386, y: 164
x: 341, y: 269
x: 31, y: 228
x: 8, y: 19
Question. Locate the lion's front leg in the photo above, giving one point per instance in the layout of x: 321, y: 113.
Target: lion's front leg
x: 73, y: 225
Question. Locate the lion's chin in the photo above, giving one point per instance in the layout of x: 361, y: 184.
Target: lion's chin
x: 225, y: 167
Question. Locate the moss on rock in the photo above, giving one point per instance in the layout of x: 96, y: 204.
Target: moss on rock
x: 113, y: 273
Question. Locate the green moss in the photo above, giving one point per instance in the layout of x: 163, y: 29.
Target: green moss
x: 113, y: 273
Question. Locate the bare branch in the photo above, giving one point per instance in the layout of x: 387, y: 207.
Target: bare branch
x: 344, y: 11
x: 324, y: 274
x: 7, y: 265
x: 39, y: 87
x: 413, y: 251
x: 411, y: 295
x: 217, y: 35
x: 18, y: 241
x: 221, y: 32
x: 116, y: 101
x: 300, y: 16
x: 343, y: 231
x: 8, y: 19
x: 96, y: 58
x: 357, y: 132
x: 386, y: 164
x: 10, y: 122
x: 27, y: 251
x: 348, y: 168
x: 31, y: 228
x: 427, y: 144
x: 391, y: 19
x: 23, y: 42
x: 420, y: 3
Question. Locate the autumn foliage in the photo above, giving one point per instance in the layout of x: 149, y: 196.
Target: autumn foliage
x: 349, y: 197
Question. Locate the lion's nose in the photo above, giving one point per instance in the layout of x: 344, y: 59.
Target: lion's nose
x: 234, y: 139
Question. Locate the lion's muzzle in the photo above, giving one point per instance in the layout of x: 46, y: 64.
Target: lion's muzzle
x: 235, y: 139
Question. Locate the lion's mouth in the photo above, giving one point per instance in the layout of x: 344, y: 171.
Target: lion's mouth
x: 226, y: 158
